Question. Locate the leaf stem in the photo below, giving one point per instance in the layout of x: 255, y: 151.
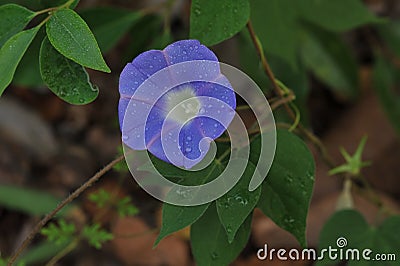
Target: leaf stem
x: 308, y: 134
x: 70, y: 247
x: 366, y: 189
x: 61, y: 205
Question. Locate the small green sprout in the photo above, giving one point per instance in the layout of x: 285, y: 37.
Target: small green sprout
x: 353, y: 163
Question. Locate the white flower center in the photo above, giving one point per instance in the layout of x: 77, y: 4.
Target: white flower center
x: 182, y: 105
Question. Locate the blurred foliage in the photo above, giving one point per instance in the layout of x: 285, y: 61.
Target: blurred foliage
x: 302, y: 40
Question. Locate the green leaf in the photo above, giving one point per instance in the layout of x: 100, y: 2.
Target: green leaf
x: 71, y: 36
x: 275, y: 24
x: 41, y: 252
x: 330, y: 61
x: 338, y: 15
x: 212, y: 22
x: 147, y: 30
x: 100, y: 197
x: 67, y: 79
x: 109, y: 24
x: 175, y: 218
x: 187, y: 178
x: 27, y: 73
x: 287, y: 190
x: 26, y: 3
x: 55, y: 3
x: 13, y: 19
x: 61, y: 234
x: 351, y: 226
x: 209, y: 241
x: 387, y: 84
x: 390, y: 33
x: 125, y: 207
x: 236, y: 205
x: 11, y: 53
x: 29, y: 201
x: 95, y: 235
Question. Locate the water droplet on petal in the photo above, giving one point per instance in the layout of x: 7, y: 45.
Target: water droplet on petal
x: 188, y: 149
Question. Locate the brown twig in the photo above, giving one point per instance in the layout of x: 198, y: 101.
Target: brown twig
x: 62, y: 204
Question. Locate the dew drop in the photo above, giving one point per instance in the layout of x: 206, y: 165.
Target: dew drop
x: 188, y: 149
x: 241, y: 200
x: 289, y: 179
x: 214, y: 255
x: 215, y: 125
x: 189, y: 138
x: 81, y: 100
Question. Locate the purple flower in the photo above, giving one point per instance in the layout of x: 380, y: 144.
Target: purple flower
x: 174, y: 102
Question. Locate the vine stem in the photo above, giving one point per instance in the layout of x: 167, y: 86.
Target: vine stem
x: 308, y: 134
x: 63, y: 252
x: 370, y: 194
x: 267, y: 67
x: 60, y: 206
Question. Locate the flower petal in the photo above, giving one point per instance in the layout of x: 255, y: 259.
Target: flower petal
x: 142, y: 67
x: 188, y: 50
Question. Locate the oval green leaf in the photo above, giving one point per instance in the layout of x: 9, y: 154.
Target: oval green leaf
x: 67, y: 79
x: 236, y: 205
x: 386, y: 81
x: 109, y: 24
x: 71, y: 36
x: 330, y: 60
x: 287, y: 190
x: 29, y: 201
x: 13, y: 19
x: 175, y: 218
x: 209, y: 241
x: 275, y: 22
x: 11, y: 54
x: 212, y: 22
x: 352, y: 229
x: 27, y: 73
x: 338, y: 15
